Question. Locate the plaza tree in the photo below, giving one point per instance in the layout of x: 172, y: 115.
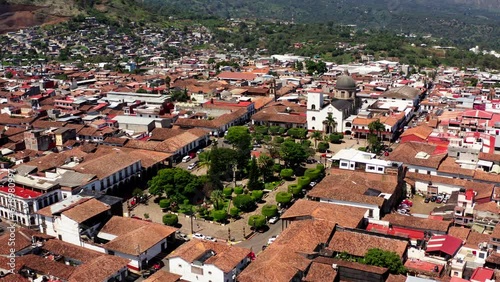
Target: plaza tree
x: 293, y: 154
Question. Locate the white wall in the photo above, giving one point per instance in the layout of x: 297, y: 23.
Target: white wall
x: 67, y: 229
x: 210, y: 272
x: 442, y: 188
x: 321, y: 115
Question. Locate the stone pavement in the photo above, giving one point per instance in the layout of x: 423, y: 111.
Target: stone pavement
x: 236, y: 229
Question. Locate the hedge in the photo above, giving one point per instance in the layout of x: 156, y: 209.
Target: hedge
x: 234, y: 212
x: 279, y: 139
x: 286, y: 173
x: 238, y: 190
x: 220, y: 215
x: 257, y: 221
x: 164, y: 203
x: 294, y: 189
x: 228, y: 192
x: 303, y: 181
x: 320, y: 167
x: 276, y: 167
x: 269, y: 210
x: 312, y: 174
x: 284, y: 197
x: 170, y: 219
x: 323, y: 146
x: 257, y: 195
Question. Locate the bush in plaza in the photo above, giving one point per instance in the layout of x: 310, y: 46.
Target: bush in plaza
x: 312, y: 173
x: 320, y: 167
x: 269, y: 210
x: 170, y: 219
x: 228, y: 192
x: 303, y: 181
x: 220, y: 215
x: 274, y: 130
x: 257, y: 195
x: 243, y: 202
x: 276, y: 167
x: 323, y: 146
x: 286, y: 173
x: 284, y: 197
x: 234, y: 212
x: 238, y: 190
x: 257, y: 221
x: 294, y: 189
x: 164, y: 203
x: 279, y: 139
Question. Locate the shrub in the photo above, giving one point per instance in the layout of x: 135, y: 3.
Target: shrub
x: 323, y: 146
x: 279, y: 139
x: 267, y: 138
x: 274, y: 130
x: 320, y: 167
x: 294, y: 189
x: 164, y: 203
x: 220, y: 215
x: 257, y: 195
x: 228, y: 192
x: 137, y: 192
x: 286, y: 173
x: 335, y: 138
x: 257, y: 221
x: 269, y: 210
x: 362, y: 149
x: 261, y: 129
x: 297, y: 133
x: 170, y: 219
x: 306, y: 143
x: 303, y: 181
x: 283, y: 197
x: 312, y: 173
x: 234, y: 212
x: 243, y: 202
x: 276, y: 167
x: 282, y: 130
x: 238, y: 190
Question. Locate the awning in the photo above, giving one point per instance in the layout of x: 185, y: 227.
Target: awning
x: 485, y: 163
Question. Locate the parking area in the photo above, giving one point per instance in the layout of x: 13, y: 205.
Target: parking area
x: 421, y: 207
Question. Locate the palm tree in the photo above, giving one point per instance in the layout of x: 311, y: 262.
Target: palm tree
x: 217, y: 197
x: 330, y: 123
x: 316, y: 135
x: 376, y: 126
x: 204, y: 159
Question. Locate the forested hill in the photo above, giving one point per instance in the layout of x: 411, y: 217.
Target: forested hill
x: 464, y: 22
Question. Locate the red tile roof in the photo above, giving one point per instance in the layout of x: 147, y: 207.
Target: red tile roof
x: 444, y: 243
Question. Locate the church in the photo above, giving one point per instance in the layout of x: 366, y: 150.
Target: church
x: 327, y: 114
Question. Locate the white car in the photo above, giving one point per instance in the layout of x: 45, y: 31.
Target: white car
x: 272, y: 239
x: 208, y: 238
x: 192, y: 166
x: 186, y: 159
x: 312, y: 184
x: 273, y: 219
x: 198, y: 236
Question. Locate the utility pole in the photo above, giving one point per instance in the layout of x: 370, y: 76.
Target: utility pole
x: 234, y: 175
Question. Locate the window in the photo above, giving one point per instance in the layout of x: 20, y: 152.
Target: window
x: 380, y: 169
x: 313, y: 118
x: 180, y: 265
x: 313, y: 107
x: 344, y: 164
x: 370, y: 167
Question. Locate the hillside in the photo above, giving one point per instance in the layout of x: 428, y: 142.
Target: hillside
x: 464, y: 22
x: 18, y: 14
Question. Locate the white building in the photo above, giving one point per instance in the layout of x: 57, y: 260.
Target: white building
x: 74, y: 220
x: 343, y: 105
x: 353, y: 159
x: 205, y: 261
x: 136, y: 240
x: 21, y: 197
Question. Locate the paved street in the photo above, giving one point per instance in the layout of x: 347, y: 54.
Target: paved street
x: 256, y: 242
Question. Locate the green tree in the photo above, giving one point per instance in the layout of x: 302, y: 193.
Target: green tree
x: 217, y: 199
x: 137, y: 192
x: 265, y: 163
x: 375, y: 127
x: 227, y: 191
x: 221, y: 166
x: 257, y: 221
x: 316, y: 135
x: 257, y: 195
x: 219, y: 215
x: 284, y: 198
x: 286, y: 173
x: 253, y: 176
x: 234, y: 212
x: 176, y: 183
x: 141, y: 90
x: 204, y: 159
x: 293, y: 154
x: 269, y: 210
x: 240, y: 138
x: 384, y: 258
x: 168, y: 80
x: 238, y: 190
x: 8, y: 75
x: 243, y: 202
x: 170, y: 219
x: 294, y: 189
x: 164, y: 203
x: 323, y: 146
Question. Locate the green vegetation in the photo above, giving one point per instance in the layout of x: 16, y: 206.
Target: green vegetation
x: 244, y: 202
x: 294, y: 189
x: 387, y: 259
x: 257, y: 195
x: 286, y: 173
x: 293, y: 153
x: 269, y: 210
x: 170, y: 219
x: 176, y: 184
x: 257, y: 221
x: 219, y: 215
x: 283, y: 197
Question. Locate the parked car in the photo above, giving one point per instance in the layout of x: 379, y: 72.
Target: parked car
x: 272, y: 239
x: 433, y: 198
x: 198, y: 236
x: 200, y: 151
x: 257, y: 146
x: 427, y: 200
x: 193, y: 165
x: 311, y: 161
x: 439, y: 199
x: 273, y: 219
x: 208, y: 238
x: 186, y: 159
x: 312, y: 184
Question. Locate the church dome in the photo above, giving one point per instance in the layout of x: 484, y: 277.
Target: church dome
x: 345, y: 82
